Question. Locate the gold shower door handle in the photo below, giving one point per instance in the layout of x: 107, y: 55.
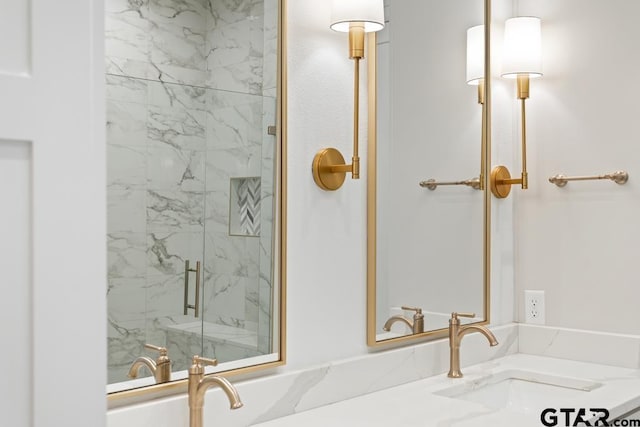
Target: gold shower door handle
x: 187, y: 270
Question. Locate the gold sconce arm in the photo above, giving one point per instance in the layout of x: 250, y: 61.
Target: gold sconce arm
x: 329, y: 167
x: 500, y: 178
x: 483, y: 142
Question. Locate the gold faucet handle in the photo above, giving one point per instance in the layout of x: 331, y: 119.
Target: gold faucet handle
x: 203, y: 361
x: 418, y: 311
x: 455, y: 315
x: 162, y: 350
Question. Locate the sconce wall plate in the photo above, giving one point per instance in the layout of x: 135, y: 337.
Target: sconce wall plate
x: 324, y: 164
x: 499, y: 187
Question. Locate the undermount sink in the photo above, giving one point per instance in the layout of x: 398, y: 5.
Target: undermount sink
x: 520, y: 391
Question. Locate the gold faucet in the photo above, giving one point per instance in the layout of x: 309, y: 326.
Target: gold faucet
x: 456, y: 332
x: 198, y: 385
x: 417, y: 326
x: 160, y: 368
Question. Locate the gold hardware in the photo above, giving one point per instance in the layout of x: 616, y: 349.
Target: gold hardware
x: 432, y: 184
x: 522, y: 85
x: 619, y: 177
x: 486, y: 155
x: 416, y: 326
x: 483, y: 142
x: 198, y: 385
x: 329, y: 168
x: 326, y: 169
x: 456, y: 332
x: 272, y: 130
x: 196, y: 305
x: 356, y: 40
x: 501, y: 180
x: 481, y: 92
x: 160, y: 368
x: 500, y: 177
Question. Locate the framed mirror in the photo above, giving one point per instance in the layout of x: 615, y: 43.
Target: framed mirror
x: 428, y: 214
x: 196, y: 187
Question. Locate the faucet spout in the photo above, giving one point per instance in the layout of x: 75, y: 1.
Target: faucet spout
x: 417, y: 326
x: 478, y: 328
x: 225, y: 385
x: 397, y: 318
x: 160, y: 368
x: 141, y: 361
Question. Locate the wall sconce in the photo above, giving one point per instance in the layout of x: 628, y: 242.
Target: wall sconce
x: 356, y: 17
x: 475, y: 77
x: 522, y: 60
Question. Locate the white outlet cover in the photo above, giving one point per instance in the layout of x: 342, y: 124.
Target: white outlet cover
x: 534, y: 307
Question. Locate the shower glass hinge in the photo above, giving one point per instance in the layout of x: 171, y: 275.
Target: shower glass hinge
x: 271, y: 130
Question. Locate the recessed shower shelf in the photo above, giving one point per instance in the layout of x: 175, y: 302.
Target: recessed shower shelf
x: 244, y: 207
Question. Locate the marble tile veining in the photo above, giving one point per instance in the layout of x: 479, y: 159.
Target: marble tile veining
x: 126, y: 124
x: 176, y: 127
x: 177, y: 170
x: 168, y: 251
x: 234, y: 255
x: 177, y: 36
x: 126, y: 89
x: 174, y: 210
x: 126, y: 255
x: 126, y: 167
x: 177, y: 95
x: 234, y: 120
x: 126, y: 209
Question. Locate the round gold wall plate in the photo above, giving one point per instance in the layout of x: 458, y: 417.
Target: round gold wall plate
x: 323, y: 161
x: 499, y: 174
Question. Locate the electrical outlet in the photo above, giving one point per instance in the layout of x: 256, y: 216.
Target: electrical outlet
x: 534, y: 307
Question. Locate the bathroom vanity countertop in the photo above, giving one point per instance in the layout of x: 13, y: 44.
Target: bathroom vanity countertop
x: 416, y: 404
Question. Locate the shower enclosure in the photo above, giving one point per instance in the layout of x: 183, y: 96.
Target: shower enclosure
x: 191, y: 104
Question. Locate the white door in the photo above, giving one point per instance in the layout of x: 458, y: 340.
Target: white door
x: 52, y: 214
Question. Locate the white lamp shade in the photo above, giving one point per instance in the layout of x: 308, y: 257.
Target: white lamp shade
x: 522, y: 53
x: 344, y: 12
x: 475, y: 54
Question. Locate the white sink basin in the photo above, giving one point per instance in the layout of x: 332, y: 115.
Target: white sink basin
x: 520, y: 391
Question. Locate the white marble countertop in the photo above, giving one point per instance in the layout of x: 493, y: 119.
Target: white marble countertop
x: 414, y: 404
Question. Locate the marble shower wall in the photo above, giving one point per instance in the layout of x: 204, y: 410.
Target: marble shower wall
x: 190, y: 93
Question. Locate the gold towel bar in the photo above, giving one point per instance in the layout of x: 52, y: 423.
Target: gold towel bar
x: 432, y: 184
x: 619, y: 177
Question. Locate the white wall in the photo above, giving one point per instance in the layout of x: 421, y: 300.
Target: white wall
x: 326, y: 231
x: 579, y: 243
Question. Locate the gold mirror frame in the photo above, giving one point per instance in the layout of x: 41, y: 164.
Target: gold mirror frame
x: 372, y: 196
x: 136, y: 395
